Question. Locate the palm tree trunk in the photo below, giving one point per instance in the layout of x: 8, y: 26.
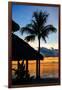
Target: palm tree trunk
x: 39, y: 60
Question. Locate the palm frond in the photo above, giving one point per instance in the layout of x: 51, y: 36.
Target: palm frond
x: 46, y: 31
x: 30, y: 38
x: 49, y: 28
x: 34, y: 23
x: 29, y: 25
x: 27, y: 30
x: 44, y: 38
x: 33, y: 26
x: 36, y: 16
x: 40, y: 17
x: 43, y: 16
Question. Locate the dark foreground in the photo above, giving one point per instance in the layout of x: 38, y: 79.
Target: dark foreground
x: 23, y: 78
x: 36, y: 82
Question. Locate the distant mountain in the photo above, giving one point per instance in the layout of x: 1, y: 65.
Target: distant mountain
x: 49, y: 52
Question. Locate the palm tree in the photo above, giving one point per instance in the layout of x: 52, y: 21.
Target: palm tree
x: 38, y: 28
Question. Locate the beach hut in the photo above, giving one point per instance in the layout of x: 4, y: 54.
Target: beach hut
x: 23, y: 51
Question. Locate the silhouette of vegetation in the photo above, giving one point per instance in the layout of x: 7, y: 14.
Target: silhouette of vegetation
x: 38, y: 28
x: 21, y: 75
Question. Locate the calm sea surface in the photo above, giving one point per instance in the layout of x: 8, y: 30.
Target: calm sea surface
x: 49, y: 67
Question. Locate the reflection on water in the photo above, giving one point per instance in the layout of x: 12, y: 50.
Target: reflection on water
x: 48, y: 67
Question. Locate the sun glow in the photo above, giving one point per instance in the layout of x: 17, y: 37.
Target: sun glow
x: 46, y: 45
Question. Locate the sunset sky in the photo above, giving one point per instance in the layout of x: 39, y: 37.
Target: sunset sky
x: 22, y: 14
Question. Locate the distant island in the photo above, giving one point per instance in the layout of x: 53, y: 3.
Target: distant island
x: 49, y: 52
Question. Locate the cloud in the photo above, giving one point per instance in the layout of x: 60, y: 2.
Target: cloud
x: 47, y: 45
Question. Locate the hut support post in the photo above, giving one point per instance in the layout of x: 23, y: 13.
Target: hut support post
x: 26, y: 68
x: 36, y: 68
x: 18, y: 64
x: 39, y: 68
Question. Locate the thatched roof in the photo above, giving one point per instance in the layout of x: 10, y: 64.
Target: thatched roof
x: 15, y: 26
x: 22, y: 50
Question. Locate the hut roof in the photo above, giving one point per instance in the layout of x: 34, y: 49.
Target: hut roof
x: 15, y: 26
x: 22, y: 50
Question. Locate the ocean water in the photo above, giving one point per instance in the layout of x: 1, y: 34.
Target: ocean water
x: 49, y: 67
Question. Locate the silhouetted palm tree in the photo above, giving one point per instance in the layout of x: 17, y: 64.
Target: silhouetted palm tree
x: 38, y: 28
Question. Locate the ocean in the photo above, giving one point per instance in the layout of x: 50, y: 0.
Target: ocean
x: 49, y: 67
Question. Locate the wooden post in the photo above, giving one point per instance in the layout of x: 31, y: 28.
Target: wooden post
x: 18, y: 64
x: 26, y: 67
x: 39, y: 68
x: 36, y: 68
